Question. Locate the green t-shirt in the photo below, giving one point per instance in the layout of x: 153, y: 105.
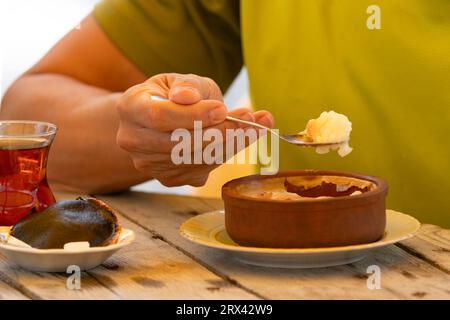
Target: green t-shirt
x: 304, y: 57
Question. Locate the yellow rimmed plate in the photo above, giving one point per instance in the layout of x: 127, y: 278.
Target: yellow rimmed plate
x: 209, y: 230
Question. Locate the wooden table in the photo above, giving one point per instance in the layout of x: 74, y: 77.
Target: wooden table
x: 162, y: 265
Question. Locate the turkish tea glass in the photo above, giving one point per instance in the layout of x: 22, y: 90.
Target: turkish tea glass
x: 24, y: 148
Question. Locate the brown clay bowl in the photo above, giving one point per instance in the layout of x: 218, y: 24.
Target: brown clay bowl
x: 307, y: 223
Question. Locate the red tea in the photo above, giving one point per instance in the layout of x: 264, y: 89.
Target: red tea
x: 23, y: 179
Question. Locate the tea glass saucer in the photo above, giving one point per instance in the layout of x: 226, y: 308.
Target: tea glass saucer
x: 58, y: 260
x: 208, y: 230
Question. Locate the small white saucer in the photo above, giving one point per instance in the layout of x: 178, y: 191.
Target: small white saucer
x: 57, y: 260
x: 209, y: 230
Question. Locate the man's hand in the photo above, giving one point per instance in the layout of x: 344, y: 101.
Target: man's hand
x: 146, y: 125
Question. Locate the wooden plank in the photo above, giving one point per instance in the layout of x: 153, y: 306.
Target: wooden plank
x: 147, y: 269
x: 9, y: 293
x: 37, y: 285
x: 404, y: 276
x: 432, y: 244
x: 152, y: 269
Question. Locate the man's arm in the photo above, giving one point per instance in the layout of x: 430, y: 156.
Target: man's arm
x: 76, y: 86
x: 80, y: 86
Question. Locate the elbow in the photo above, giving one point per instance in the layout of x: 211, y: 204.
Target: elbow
x: 14, y: 102
x: 7, y: 102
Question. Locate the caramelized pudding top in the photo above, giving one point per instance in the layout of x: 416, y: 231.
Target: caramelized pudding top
x: 298, y: 188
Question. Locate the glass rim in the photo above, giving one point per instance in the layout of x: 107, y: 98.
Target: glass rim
x: 52, y: 128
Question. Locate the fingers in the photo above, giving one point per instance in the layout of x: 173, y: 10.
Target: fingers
x: 137, y: 106
x: 190, y: 89
x: 265, y: 118
x: 149, y: 141
x: 143, y: 140
x: 185, y: 89
x: 172, y: 176
x: 168, y: 116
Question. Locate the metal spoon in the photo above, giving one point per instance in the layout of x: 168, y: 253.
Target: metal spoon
x: 298, y: 139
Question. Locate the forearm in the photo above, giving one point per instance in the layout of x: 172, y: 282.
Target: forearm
x: 84, y: 156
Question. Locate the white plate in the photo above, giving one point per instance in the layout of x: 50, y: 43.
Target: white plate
x: 57, y: 260
x: 209, y: 230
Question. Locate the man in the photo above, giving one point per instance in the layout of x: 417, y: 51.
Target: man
x: 303, y: 57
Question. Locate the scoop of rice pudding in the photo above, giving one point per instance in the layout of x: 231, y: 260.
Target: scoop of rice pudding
x: 322, y: 187
x: 330, y: 127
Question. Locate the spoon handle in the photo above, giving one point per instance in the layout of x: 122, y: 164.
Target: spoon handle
x: 254, y: 124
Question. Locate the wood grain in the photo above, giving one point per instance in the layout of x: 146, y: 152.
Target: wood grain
x: 404, y: 275
x: 147, y: 269
x: 152, y: 269
x: 9, y: 293
x: 38, y: 285
x: 160, y: 264
x: 432, y: 244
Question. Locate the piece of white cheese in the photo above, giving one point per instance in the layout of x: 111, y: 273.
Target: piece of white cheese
x: 330, y: 127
